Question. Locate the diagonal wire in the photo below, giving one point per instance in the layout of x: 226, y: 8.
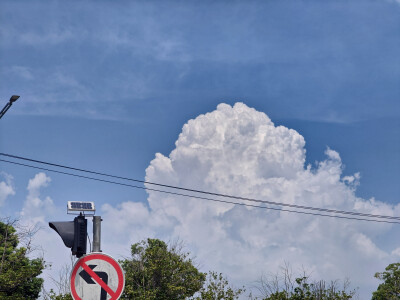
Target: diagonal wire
x: 205, y: 192
x: 197, y: 197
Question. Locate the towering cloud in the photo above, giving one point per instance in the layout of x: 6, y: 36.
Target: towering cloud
x: 239, y: 151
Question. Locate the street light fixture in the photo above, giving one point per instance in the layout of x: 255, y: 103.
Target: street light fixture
x: 14, y: 98
x: 8, y: 105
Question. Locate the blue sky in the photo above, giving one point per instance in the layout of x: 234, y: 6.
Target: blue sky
x: 106, y: 85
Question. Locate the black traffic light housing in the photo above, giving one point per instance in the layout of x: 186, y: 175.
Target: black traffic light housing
x: 73, y: 233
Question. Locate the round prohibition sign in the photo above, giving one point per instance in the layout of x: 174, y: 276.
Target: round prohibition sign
x: 97, y: 270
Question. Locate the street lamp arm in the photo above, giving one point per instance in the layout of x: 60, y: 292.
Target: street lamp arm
x: 5, y: 108
x: 13, y: 98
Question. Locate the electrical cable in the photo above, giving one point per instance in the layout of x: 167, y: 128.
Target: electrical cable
x: 196, y: 197
x: 90, y: 244
x: 205, y: 192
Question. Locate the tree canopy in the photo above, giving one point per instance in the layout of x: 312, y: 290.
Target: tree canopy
x: 18, y: 273
x: 217, y: 288
x: 156, y: 272
x: 284, y: 285
x: 311, y: 291
x: 390, y: 288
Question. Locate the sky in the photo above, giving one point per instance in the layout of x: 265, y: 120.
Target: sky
x: 287, y: 101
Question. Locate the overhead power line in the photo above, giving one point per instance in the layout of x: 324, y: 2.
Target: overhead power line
x: 203, y: 192
x: 198, y: 197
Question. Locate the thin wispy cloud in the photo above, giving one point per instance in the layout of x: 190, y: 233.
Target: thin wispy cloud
x: 266, y: 51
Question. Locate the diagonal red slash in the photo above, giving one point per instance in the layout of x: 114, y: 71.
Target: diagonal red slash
x: 98, y: 280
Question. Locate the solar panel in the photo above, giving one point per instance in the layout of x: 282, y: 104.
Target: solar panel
x: 81, y: 206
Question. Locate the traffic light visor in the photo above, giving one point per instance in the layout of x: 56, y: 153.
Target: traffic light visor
x: 65, y: 230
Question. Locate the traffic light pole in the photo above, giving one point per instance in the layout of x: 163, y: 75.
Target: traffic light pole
x: 96, y: 233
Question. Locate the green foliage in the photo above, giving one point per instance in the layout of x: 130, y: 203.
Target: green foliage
x: 53, y: 296
x: 311, y: 291
x: 217, y: 288
x: 390, y: 288
x: 156, y: 272
x: 18, y: 273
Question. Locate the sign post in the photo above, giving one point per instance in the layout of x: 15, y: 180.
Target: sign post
x: 97, y: 276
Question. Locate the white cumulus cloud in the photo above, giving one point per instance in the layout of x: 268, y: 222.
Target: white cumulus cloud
x: 6, y: 188
x: 36, y: 212
x: 239, y: 151
x: 35, y: 209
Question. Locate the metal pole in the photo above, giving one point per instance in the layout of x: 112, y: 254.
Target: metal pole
x: 8, y: 105
x: 5, y: 108
x: 96, y: 233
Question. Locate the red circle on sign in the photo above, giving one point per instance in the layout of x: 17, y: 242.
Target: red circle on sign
x: 82, y: 263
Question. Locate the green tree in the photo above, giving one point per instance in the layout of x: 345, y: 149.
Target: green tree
x: 157, y: 272
x: 217, y: 288
x: 312, y: 291
x: 18, y: 273
x: 284, y: 286
x: 390, y: 288
x: 54, y: 296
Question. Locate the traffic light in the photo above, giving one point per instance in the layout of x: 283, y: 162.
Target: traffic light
x: 73, y: 233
